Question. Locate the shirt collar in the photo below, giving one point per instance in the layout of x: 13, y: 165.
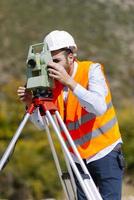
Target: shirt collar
x: 74, y: 69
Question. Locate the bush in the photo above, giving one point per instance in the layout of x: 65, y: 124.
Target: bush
x: 126, y: 121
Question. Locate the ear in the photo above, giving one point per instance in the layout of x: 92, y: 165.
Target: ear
x: 70, y: 58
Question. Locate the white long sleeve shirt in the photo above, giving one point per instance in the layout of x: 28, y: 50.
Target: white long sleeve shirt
x: 91, y: 99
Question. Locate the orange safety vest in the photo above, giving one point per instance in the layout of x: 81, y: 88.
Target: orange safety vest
x: 89, y: 132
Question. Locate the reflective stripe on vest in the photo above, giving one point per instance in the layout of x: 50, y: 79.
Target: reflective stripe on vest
x: 85, y: 118
x: 95, y: 133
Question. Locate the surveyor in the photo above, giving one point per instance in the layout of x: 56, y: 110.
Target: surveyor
x: 86, y: 107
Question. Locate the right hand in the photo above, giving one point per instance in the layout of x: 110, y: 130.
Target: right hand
x: 24, y: 95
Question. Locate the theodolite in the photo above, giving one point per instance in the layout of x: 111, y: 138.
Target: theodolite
x: 38, y: 79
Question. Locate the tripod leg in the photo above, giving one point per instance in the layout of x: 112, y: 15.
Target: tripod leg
x: 72, y: 181
x: 76, y: 171
x: 94, y: 193
x: 11, y: 145
x: 67, y: 194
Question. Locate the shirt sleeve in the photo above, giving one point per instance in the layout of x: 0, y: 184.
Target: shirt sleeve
x: 93, y: 98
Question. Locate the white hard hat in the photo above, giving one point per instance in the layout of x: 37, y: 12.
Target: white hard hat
x: 60, y: 39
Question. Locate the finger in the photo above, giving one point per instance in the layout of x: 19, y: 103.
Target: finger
x: 53, y: 71
x: 53, y: 65
x: 21, y: 95
x: 22, y: 88
x: 54, y: 76
x: 20, y: 91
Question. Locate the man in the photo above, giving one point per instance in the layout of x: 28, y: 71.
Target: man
x: 86, y: 107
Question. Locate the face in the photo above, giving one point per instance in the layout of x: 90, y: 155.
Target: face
x: 60, y: 57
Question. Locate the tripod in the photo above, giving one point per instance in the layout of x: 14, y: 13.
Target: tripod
x: 48, y: 109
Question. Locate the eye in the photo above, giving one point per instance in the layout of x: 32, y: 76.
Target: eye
x: 56, y: 60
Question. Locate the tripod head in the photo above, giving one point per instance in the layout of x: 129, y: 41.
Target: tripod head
x: 38, y: 79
